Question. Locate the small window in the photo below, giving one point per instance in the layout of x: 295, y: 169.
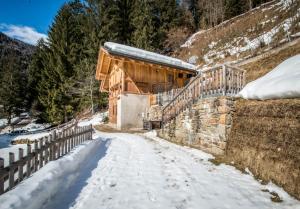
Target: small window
x: 189, y: 75
x: 180, y: 75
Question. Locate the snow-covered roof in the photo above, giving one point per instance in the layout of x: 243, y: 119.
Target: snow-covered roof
x: 139, y: 54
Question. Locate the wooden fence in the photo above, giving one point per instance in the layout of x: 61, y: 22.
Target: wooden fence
x: 217, y: 81
x: 46, y: 149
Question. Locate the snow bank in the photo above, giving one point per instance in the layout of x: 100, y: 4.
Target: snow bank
x: 56, y: 176
x: 33, y: 126
x: 191, y: 39
x: 96, y: 119
x: 282, y: 82
x: 151, y: 56
x: 3, y: 122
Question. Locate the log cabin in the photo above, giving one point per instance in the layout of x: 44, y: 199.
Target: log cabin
x: 132, y: 75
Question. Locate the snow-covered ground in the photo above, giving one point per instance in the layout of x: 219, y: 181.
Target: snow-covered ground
x: 140, y: 171
x: 94, y: 120
x: 3, y: 121
x: 282, y: 82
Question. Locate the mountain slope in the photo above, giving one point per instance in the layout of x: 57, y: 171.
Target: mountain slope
x: 7, y: 44
x: 15, y: 57
x: 245, y: 36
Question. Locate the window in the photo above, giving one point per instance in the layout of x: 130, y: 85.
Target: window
x: 189, y: 75
x: 180, y: 75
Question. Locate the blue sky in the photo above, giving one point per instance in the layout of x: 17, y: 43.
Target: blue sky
x: 28, y: 20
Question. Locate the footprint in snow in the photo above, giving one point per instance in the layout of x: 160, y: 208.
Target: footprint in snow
x: 113, y: 185
x: 151, y: 197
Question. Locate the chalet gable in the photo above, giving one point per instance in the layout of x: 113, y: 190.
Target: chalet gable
x: 113, y: 54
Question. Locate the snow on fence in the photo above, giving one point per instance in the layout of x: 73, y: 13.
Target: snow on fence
x: 217, y: 81
x: 46, y: 149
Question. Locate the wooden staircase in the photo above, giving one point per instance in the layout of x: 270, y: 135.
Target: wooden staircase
x: 222, y: 80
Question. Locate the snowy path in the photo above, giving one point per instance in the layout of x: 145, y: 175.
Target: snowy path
x: 127, y: 171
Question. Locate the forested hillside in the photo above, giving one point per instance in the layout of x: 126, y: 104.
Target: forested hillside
x: 61, y: 80
x: 15, y: 56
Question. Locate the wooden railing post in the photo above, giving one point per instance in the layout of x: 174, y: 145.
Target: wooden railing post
x: 36, y: 156
x: 1, y: 177
x: 69, y: 140
x: 66, y: 141
x: 244, y: 78
x: 20, y: 167
x: 58, y: 144
x: 51, y: 148
x: 28, y: 167
x: 73, y: 138
x: 54, y: 145
x: 224, y: 80
x: 41, y: 158
x: 46, y: 150
x: 11, y: 181
x: 91, y: 127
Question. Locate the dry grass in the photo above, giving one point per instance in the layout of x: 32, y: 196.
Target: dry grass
x: 265, y: 65
x: 265, y: 137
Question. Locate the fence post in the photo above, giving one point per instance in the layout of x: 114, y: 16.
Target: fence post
x: 20, y: 167
x: 28, y: 167
x: 36, y: 156
x: 77, y: 136
x: 91, y: 132
x: 244, y: 78
x: 46, y: 150
x: 11, y: 170
x: 70, y: 140
x: 224, y: 80
x: 58, y: 144
x: 54, y: 145
x: 41, y: 154
x: 83, y: 134
x: 51, y: 148
x: 66, y: 140
x: 73, y: 138
x: 1, y: 178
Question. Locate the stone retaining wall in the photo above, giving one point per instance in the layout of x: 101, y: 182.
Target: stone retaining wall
x: 205, y: 125
x: 263, y: 136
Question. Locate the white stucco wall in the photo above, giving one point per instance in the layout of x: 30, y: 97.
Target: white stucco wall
x: 130, y: 109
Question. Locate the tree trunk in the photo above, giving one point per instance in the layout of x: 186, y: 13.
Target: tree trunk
x: 91, y: 94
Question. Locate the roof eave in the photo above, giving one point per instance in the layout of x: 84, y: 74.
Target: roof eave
x: 112, y: 52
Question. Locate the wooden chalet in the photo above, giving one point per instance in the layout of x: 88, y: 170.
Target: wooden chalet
x: 132, y: 75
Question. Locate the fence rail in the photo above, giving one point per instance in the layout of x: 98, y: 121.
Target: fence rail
x: 163, y: 98
x: 217, y: 81
x: 46, y: 149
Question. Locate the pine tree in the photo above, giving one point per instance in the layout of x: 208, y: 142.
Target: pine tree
x: 65, y: 52
x: 11, y: 92
x: 145, y: 34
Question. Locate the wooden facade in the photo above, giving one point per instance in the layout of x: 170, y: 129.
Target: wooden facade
x: 126, y: 75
